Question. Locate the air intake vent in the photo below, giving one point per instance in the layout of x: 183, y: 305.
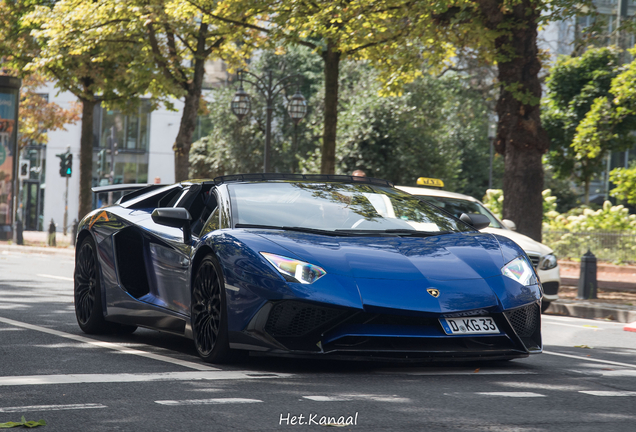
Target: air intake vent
x: 524, y: 320
x: 290, y: 318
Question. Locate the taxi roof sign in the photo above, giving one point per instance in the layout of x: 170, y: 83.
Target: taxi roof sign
x: 424, y: 181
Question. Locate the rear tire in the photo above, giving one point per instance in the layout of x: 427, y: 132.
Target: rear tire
x: 208, y: 312
x: 87, y: 290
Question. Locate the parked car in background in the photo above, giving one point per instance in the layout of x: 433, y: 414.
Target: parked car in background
x: 542, y: 257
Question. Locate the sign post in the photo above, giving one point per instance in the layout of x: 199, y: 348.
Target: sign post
x: 9, y: 155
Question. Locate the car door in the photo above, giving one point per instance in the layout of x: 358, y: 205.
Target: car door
x: 170, y: 259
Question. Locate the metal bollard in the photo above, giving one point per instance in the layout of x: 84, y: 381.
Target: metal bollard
x: 19, y: 229
x: 587, y: 278
x: 51, y: 240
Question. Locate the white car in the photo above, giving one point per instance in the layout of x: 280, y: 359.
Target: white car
x: 542, y: 257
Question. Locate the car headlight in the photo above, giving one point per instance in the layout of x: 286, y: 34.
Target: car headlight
x: 549, y: 262
x: 520, y: 270
x: 301, y: 271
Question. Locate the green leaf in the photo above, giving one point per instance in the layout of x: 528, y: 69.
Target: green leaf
x: 24, y: 422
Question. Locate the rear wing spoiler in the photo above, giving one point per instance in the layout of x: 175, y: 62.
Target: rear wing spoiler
x: 122, y: 187
x: 132, y: 189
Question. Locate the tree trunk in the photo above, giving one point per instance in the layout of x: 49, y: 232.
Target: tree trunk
x: 586, y: 184
x: 520, y: 136
x: 184, y: 138
x: 86, y: 159
x: 188, y: 123
x: 332, y: 64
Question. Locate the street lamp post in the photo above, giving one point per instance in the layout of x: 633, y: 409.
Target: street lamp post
x: 241, y: 105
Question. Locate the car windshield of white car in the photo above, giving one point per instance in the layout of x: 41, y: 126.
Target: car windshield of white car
x: 458, y: 206
x: 337, y: 207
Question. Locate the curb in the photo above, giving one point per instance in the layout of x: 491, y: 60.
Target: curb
x: 601, y: 283
x: 630, y: 327
x: 6, y: 248
x: 584, y: 309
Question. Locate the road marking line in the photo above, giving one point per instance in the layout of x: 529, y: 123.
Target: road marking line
x: 586, y: 327
x: 207, y: 401
x: 110, y: 345
x: 591, y: 359
x: 350, y: 397
x: 511, y: 394
x: 609, y: 393
x: 51, y: 407
x: 466, y: 372
x: 64, y: 278
x: 604, y: 373
x: 128, y: 377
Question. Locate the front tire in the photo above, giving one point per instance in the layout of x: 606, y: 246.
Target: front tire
x: 544, y: 306
x: 87, y: 290
x: 209, y: 314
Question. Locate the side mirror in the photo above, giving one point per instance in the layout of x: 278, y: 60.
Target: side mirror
x: 477, y: 221
x: 176, y: 217
x: 509, y: 224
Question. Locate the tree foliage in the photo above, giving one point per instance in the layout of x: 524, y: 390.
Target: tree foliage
x: 576, y: 110
x: 337, y: 31
x: 624, y: 180
x: 72, y: 49
x: 437, y: 128
x: 38, y: 116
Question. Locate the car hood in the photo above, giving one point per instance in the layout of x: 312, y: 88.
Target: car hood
x: 526, y: 243
x: 444, y: 257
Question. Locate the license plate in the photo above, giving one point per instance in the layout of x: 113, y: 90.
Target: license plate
x: 469, y: 325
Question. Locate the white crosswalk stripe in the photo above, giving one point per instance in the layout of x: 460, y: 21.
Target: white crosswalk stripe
x: 51, y: 407
x: 609, y: 393
x: 357, y: 397
x: 138, y: 377
x: 207, y: 401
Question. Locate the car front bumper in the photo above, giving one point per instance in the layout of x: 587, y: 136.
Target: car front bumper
x: 551, y: 281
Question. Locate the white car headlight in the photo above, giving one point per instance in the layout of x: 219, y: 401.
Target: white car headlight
x: 549, y: 262
x: 303, y: 272
x: 520, y: 270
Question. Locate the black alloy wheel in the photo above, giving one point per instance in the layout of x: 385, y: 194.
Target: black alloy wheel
x: 209, y: 314
x: 544, y: 306
x: 87, y: 293
x: 88, y: 302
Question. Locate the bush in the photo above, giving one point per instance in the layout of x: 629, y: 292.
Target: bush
x: 610, y: 233
x: 494, y: 198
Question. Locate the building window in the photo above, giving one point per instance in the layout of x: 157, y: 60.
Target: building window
x: 120, y: 146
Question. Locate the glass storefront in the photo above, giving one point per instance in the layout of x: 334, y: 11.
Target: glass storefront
x: 120, y: 148
x: 9, y: 90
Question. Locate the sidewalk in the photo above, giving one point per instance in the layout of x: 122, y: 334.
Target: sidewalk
x: 611, y: 276
x: 610, y: 305
x: 35, y: 242
x: 616, y: 293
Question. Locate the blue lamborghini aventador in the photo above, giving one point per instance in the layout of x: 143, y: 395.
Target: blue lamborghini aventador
x: 308, y: 265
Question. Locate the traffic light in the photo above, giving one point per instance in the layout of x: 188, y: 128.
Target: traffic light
x: 69, y: 164
x: 66, y: 164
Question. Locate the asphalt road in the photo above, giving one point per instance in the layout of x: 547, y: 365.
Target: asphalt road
x: 148, y: 381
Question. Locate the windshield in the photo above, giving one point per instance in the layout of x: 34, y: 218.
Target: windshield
x: 336, y: 206
x: 456, y: 207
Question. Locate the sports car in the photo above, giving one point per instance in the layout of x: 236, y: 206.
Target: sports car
x: 310, y: 265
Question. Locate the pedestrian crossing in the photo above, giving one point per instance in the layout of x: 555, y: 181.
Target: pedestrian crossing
x: 326, y: 399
